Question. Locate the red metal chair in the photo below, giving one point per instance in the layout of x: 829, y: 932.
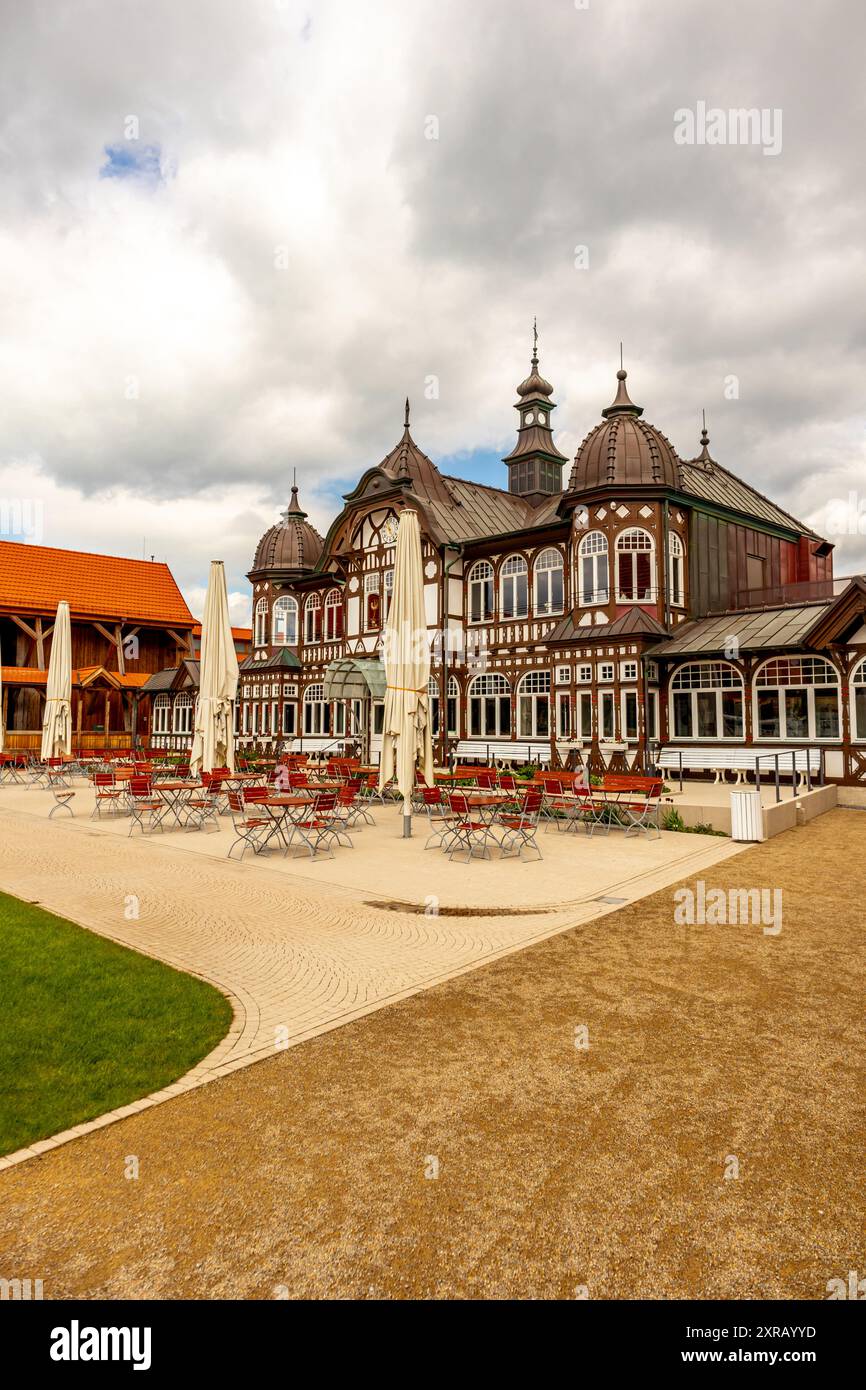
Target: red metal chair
x: 520, y: 828
x: 108, y: 794
x: 487, y: 778
x: 250, y: 830
x: 145, y: 809
x: 469, y: 835
x: 439, y: 818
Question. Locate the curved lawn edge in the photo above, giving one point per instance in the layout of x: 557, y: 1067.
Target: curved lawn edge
x: 89, y: 1025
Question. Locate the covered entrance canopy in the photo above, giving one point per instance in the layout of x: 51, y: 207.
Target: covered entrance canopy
x: 354, y: 678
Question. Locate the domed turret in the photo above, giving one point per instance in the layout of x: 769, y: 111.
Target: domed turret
x: 624, y: 451
x: 293, y: 544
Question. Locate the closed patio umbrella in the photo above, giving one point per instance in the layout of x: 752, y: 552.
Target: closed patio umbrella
x: 57, y: 719
x: 213, y: 743
x: 406, y: 741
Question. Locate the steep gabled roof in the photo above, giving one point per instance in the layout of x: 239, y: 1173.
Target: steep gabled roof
x: 34, y: 578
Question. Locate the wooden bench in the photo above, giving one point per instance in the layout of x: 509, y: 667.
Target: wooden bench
x: 740, y: 760
x: 498, y: 751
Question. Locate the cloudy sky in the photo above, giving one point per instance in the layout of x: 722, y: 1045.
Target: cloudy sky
x: 235, y: 234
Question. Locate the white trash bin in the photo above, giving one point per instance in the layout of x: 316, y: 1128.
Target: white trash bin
x: 747, y: 816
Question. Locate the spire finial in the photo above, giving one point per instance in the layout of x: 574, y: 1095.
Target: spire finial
x: 620, y: 357
x: 535, y: 342
x: 704, y: 456
x: 406, y: 418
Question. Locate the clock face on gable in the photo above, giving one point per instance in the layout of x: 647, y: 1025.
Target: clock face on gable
x: 389, y: 530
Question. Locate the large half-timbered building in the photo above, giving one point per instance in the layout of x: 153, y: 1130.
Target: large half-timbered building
x: 633, y: 599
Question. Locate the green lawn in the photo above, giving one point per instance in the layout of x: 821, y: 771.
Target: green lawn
x: 87, y: 1026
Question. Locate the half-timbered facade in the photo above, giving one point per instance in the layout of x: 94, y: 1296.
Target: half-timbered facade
x: 639, y: 599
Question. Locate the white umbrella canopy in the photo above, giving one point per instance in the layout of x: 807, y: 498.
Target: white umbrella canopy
x: 406, y: 741
x: 57, y: 719
x: 213, y: 743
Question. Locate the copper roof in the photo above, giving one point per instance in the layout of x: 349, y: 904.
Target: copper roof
x: 623, y: 450
x: 293, y: 544
x: 406, y: 461
x: 718, y: 485
x: 753, y: 630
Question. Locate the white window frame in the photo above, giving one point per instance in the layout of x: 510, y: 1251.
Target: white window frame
x: 333, y: 606
x: 594, y: 547
x: 481, y: 579
x: 284, y: 621
x: 513, y: 570
x: 858, y: 684
x: 584, y: 673
x: 533, y: 691
x: 676, y: 571
x: 607, y: 671
x: 643, y: 545
x: 809, y: 667
x: 317, y: 712
x: 701, y: 681
x: 182, y: 714
x: 584, y: 702
x: 488, y: 693
x: 312, y: 606
x: 260, y: 623
x: 545, y: 566
x: 606, y: 701
x: 162, y: 714
x: 624, y: 697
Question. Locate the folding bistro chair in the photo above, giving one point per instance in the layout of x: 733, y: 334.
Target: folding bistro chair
x: 62, y: 797
x: 439, y: 818
x: 145, y: 809
x: 251, y: 830
x: 468, y: 835
x: 109, y: 796
x: 520, y: 828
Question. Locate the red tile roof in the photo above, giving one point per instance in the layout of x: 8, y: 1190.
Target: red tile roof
x: 240, y: 634
x: 34, y: 578
x: 31, y: 675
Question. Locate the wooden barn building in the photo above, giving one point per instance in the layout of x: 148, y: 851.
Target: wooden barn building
x: 129, y: 619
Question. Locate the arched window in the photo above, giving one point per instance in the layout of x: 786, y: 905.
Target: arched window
x: 389, y: 593
x: 481, y: 592
x: 797, y: 697
x: 858, y: 701
x: 317, y: 711
x: 676, y: 553
x: 635, y: 566
x: 489, y: 706
x: 548, y: 582
x: 533, y: 705
x: 334, y: 616
x: 161, y: 720
x: 514, y: 585
x: 261, y: 622
x: 313, y: 619
x: 452, y: 703
x: 284, y: 626
x: 372, y: 603
x: 707, y: 701
x: 593, y: 580
x: 183, y: 713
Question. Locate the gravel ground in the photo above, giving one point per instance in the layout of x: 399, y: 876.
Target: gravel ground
x: 459, y: 1144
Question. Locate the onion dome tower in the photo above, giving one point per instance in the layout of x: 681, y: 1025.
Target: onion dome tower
x: 293, y: 546
x: 534, y: 464
x: 624, y: 450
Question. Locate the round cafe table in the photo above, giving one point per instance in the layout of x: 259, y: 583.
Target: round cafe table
x: 175, y: 795
x: 283, y: 811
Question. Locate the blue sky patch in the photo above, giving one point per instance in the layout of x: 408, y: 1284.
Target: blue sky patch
x: 130, y: 160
